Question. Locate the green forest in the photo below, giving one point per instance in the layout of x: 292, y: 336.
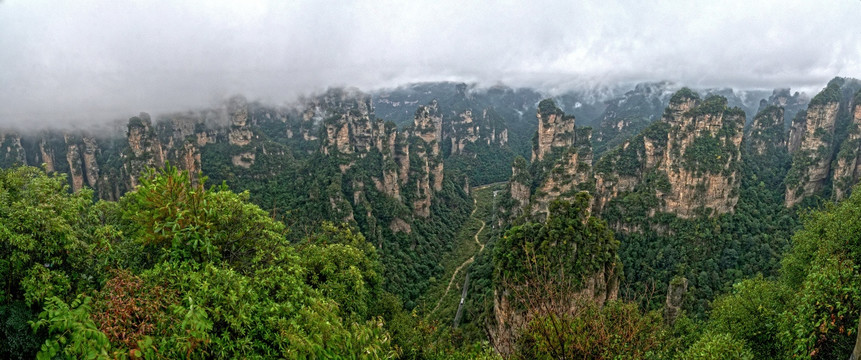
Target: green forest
x: 176, y: 269
x: 317, y: 247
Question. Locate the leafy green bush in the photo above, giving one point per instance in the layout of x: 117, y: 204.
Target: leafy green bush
x: 718, y: 346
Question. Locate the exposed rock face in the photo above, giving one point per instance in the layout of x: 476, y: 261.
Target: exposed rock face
x: 81, y: 152
x: 73, y: 157
x: 847, y: 170
x: 675, y: 297
x: 520, y: 186
x: 563, y: 154
x: 796, y: 130
x: 486, y: 128
x: 245, y: 159
x: 91, y: 166
x: 469, y: 132
x: 555, y: 130
x: 691, y: 159
x: 427, y: 132
x: 812, y: 160
x: 824, y: 142
x: 352, y: 133
x: 703, y: 156
x: 570, y: 175
x: 145, y: 148
x: 13, y: 150
x: 47, y: 155
x: 351, y: 130
x: 428, y: 127
x: 399, y: 225
x: 237, y: 110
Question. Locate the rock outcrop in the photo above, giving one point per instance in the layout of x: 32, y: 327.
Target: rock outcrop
x: 145, y: 149
x: 797, y: 127
x: 485, y: 128
x: 555, y: 130
x: 13, y: 151
x: 703, y: 157
x: 240, y: 132
x: 812, y: 158
x: 47, y: 155
x: 571, y: 174
x: 81, y: 152
x: 520, y: 186
x: 562, y: 164
x: 688, y: 163
x: 847, y: 169
x: 427, y: 133
x: 675, y: 297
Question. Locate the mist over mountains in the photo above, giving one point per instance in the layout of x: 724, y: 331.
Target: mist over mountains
x: 99, y: 60
x: 430, y: 180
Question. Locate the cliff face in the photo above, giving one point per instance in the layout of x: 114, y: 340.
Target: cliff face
x: 555, y: 130
x: 812, y: 159
x: 240, y: 133
x: 520, y: 186
x: 703, y: 157
x: 144, y: 148
x: 427, y: 133
x: 824, y: 142
x: 688, y: 163
x: 562, y: 164
x: 486, y: 128
x: 352, y: 134
x: 351, y: 130
x: 13, y: 151
x: 797, y: 128
x: 47, y: 155
x: 81, y: 157
x: 571, y: 174
x: 847, y: 169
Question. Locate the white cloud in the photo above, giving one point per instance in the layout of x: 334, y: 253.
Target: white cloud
x: 75, y: 61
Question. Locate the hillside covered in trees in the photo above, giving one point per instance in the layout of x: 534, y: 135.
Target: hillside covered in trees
x: 441, y: 221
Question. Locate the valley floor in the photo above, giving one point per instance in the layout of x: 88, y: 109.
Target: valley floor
x: 444, y: 296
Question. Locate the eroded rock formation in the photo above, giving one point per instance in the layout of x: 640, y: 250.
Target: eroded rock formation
x: 689, y: 161
x: 847, y: 169
x: 555, y: 130
x: 812, y: 158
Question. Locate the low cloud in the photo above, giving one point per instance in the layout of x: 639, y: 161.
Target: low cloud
x: 67, y: 63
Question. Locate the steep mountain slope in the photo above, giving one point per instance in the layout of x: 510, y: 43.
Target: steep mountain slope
x: 815, y: 139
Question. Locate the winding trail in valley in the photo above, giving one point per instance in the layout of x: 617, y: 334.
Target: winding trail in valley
x: 471, y: 258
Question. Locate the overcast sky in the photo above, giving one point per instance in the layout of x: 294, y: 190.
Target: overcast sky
x: 91, y: 60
